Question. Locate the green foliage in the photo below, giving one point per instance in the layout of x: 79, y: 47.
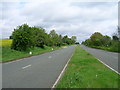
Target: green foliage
x: 115, y: 46
x: 74, y: 38
x: 97, y: 40
x: 68, y: 40
x: 85, y: 71
x: 115, y: 38
x: 25, y: 37
x: 39, y: 36
x: 55, y: 38
x: 22, y: 38
x: 9, y: 54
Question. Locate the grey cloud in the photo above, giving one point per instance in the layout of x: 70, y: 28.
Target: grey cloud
x: 71, y: 18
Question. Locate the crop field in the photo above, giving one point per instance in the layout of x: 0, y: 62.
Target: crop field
x: 5, y: 42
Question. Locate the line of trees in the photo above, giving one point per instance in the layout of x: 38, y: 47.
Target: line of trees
x: 97, y: 40
x: 25, y: 37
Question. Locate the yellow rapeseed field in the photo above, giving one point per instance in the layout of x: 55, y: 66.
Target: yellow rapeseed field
x: 5, y: 42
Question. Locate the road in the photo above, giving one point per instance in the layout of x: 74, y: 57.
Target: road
x: 109, y: 58
x: 37, y: 71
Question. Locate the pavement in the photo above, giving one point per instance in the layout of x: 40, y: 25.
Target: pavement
x: 109, y: 58
x: 37, y: 71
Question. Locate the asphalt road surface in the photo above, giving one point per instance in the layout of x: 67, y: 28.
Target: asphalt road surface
x: 36, y: 72
x: 109, y: 58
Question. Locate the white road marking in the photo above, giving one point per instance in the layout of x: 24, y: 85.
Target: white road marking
x: 50, y: 57
x: 61, y: 73
x: 108, y: 66
x: 26, y: 66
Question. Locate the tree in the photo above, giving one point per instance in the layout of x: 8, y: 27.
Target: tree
x: 74, y: 38
x: 106, y: 40
x: 67, y: 40
x: 116, y: 34
x: 115, y: 38
x: 54, y: 37
x: 22, y: 38
x: 25, y: 37
x: 96, y: 39
x: 39, y: 36
x: 88, y: 42
x: 11, y: 37
x: 60, y: 40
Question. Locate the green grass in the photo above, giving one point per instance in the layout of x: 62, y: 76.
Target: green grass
x: 111, y: 48
x: 85, y: 71
x: 9, y: 54
x: 114, y: 47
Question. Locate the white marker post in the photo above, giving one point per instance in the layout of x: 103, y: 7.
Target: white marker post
x: 30, y: 53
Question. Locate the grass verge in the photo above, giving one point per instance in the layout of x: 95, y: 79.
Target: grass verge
x: 9, y: 54
x: 111, y: 49
x: 85, y: 71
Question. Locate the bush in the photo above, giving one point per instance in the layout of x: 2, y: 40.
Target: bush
x: 22, y: 38
x: 115, y: 46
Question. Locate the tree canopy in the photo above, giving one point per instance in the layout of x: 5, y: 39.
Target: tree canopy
x: 25, y: 37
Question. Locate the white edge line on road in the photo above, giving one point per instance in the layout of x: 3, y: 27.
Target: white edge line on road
x: 108, y: 66
x: 61, y: 73
x: 26, y: 66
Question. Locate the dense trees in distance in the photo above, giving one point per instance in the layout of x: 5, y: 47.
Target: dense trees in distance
x: 97, y: 40
x: 25, y: 37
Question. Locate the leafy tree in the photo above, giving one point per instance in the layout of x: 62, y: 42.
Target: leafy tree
x: 11, y: 37
x: 96, y: 38
x: 22, y: 38
x: 40, y: 37
x: 74, y: 38
x: 25, y: 37
x: 60, y: 40
x: 55, y: 38
x: 88, y: 42
x: 65, y: 39
x: 115, y: 38
x: 68, y: 40
x: 116, y: 34
x: 106, y: 40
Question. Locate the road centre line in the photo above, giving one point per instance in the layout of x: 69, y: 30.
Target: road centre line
x: 50, y: 57
x: 26, y: 66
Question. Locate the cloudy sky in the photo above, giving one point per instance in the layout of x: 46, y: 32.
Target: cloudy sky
x: 67, y: 17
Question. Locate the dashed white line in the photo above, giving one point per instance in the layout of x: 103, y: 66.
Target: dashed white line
x: 50, y: 57
x: 26, y: 66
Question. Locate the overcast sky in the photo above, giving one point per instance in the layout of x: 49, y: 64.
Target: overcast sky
x: 67, y: 17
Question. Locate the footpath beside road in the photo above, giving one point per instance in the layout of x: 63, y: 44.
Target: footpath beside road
x: 108, y: 58
x: 36, y: 72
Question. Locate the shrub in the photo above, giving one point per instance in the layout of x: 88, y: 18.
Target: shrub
x: 22, y: 38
